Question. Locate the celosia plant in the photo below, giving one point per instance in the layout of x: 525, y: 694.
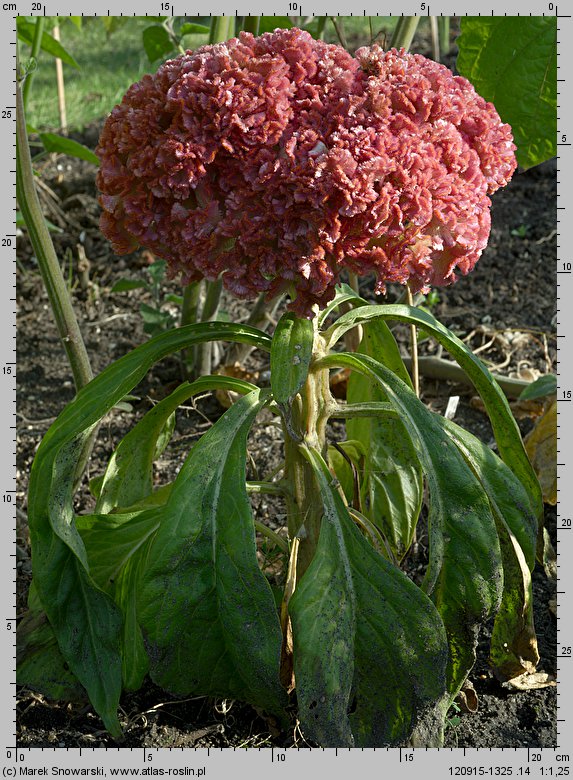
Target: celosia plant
x: 282, y: 161
x: 279, y: 162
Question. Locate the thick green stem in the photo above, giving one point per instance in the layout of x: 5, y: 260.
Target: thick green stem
x: 60, y: 302
x: 251, y: 24
x: 222, y: 28
x: 444, y: 34
x: 404, y: 32
x: 310, y: 412
x: 210, y: 309
x: 36, y: 46
x: 189, y: 309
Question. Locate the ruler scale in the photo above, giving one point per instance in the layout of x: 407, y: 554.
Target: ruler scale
x: 408, y: 763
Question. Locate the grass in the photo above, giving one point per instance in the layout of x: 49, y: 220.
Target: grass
x: 109, y: 64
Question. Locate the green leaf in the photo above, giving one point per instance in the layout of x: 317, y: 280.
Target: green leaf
x: 129, y: 476
x: 157, y: 42
x: 49, y: 44
x: 291, y: 352
x: 57, y: 143
x: 513, y: 643
x: 370, y: 649
x: 124, y: 285
x: 505, y: 428
x: 344, y: 293
x: 41, y: 666
x: 512, y: 61
x: 86, y: 622
x: 76, y: 21
x: 270, y: 23
x: 464, y: 572
x: 193, y: 29
x: 206, y: 609
x: 543, y: 385
x: 392, y: 485
x: 117, y: 547
x: 354, y: 452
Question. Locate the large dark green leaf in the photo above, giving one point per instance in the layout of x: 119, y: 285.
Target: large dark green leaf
x: 370, y: 650
x: 117, y: 548
x: 85, y: 620
x: 512, y: 61
x: 464, y: 574
x: 291, y: 352
x: 129, y: 475
x: 392, y: 485
x: 206, y: 610
x: 503, y: 423
x: 513, y: 644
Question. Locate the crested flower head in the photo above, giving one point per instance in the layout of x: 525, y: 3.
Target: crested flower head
x: 281, y: 161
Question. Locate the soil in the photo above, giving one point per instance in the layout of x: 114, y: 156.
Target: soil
x: 506, y: 306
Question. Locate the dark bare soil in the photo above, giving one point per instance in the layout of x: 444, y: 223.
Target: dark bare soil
x: 506, y: 306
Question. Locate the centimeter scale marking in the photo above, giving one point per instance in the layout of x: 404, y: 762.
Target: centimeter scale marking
x: 203, y: 762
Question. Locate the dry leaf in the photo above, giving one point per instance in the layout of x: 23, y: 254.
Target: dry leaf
x: 541, y: 446
x: 531, y: 682
x: 227, y: 397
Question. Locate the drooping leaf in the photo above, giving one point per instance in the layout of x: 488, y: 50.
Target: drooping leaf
x: 57, y: 143
x: 49, y: 43
x: 512, y: 61
x: 206, y: 610
x: 393, y: 486
x: 117, y: 547
x: 370, y: 650
x: 129, y: 475
x: 41, y: 666
x: 341, y: 464
x: 291, y: 352
x: 543, y: 385
x: 505, y: 428
x: 541, y: 446
x: 464, y: 574
x: 86, y: 622
x: 157, y: 42
x: 513, y: 643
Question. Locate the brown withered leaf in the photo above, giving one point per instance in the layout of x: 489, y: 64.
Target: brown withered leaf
x: 541, y: 447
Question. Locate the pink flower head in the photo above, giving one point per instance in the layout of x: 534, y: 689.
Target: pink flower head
x: 280, y: 161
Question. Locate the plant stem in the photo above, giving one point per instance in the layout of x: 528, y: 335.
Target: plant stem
x: 413, y: 348
x: 271, y: 488
x: 444, y: 32
x: 435, y: 38
x: 270, y: 534
x: 404, y: 32
x: 210, y: 309
x: 310, y: 411
x: 60, y: 85
x: 251, y: 24
x: 36, y: 46
x: 339, y: 27
x: 52, y: 276
x: 220, y: 29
